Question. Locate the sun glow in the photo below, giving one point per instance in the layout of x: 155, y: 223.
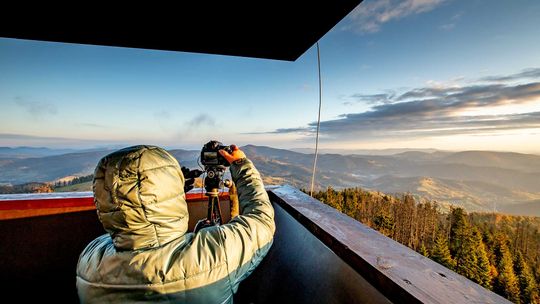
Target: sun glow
x: 508, y: 108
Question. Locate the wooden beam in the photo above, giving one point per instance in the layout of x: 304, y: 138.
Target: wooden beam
x: 398, y: 272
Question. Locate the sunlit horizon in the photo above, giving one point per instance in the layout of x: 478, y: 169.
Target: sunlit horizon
x: 449, y: 75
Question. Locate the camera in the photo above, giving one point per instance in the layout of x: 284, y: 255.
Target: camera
x: 210, y: 155
x: 214, y: 166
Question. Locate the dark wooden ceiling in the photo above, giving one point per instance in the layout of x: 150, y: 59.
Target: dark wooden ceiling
x: 273, y: 29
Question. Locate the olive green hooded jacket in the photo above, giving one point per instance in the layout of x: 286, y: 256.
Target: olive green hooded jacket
x: 147, y: 256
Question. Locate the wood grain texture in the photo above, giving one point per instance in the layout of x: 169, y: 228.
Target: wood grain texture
x: 13, y: 206
x: 400, y: 273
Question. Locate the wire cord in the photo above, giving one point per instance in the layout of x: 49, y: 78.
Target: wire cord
x: 318, y: 123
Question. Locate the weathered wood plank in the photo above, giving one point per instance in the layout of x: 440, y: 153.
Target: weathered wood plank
x: 400, y: 273
x: 25, y: 205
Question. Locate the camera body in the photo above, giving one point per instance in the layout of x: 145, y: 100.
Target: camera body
x: 210, y: 156
x: 214, y: 166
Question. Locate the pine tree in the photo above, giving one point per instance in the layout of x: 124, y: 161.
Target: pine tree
x: 384, y: 224
x: 463, y: 246
x: 466, y: 259
x: 441, y: 254
x: 423, y: 251
x: 506, y: 283
x: 484, y: 269
x: 527, y: 283
x: 332, y: 199
x: 458, y: 228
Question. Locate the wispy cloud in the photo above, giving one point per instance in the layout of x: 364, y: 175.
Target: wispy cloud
x: 374, y: 98
x: 93, y: 125
x: 369, y: 16
x: 451, y: 24
x: 202, y: 120
x: 532, y: 73
x: 448, y: 26
x: 36, y: 109
x: 201, y: 126
x: 437, y: 111
x: 15, y: 140
x: 299, y: 130
x: 162, y: 115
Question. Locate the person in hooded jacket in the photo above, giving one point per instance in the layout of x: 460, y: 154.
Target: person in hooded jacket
x: 147, y: 254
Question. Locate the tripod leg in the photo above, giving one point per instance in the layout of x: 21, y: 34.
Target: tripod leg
x: 218, y: 207
x: 210, y: 215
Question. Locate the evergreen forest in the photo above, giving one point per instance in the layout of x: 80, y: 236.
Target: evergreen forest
x: 500, y: 252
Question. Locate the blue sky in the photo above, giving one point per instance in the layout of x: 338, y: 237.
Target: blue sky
x: 456, y: 75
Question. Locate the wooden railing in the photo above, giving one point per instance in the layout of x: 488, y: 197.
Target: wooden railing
x: 14, y: 206
x: 319, y: 255
x: 398, y: 273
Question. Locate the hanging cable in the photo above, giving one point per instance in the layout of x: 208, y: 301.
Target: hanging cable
x: 318, y: 123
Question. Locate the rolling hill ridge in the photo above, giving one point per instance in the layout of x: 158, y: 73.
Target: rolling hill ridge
x: 476, y: 180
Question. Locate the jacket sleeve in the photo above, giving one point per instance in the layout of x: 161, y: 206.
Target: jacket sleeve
x: 248, y: 237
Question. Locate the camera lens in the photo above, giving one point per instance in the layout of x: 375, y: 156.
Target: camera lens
x: 211, y: 174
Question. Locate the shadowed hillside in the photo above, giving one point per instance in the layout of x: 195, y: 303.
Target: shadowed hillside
x: 487, y: 181
x: 50, y: 168
x: 475, y: 180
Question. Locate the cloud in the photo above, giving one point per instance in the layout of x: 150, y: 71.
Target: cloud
x: 358, y: 126
x: 162, y: 115
x: 448, y: 26
x: 36, y: 109
x: 202, y: 120
x: 93, y: 125
x: 15, y: 140
x: 369, y: 16
x: 532, y: 73
x: 452, y: 23
x: 200, y: 126
x: 300, y: 130
x: 375, y: 98
x: 436, y: 111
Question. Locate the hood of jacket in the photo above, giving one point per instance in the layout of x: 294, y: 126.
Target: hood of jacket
x: 139, y: 197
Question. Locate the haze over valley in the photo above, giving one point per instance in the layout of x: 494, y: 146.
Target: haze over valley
x: 476, y: 180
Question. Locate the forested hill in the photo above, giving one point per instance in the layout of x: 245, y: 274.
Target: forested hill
x: 499, y: 252
x: 475, y: 180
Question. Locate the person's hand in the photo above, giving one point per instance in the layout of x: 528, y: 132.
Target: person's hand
x: 236, y: 154
x: 189, y: 178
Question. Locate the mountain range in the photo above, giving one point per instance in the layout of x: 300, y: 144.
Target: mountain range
x: 475, y: 180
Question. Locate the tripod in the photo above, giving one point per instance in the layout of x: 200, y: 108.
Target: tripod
x: 214, y: 209
x: 212, y: 184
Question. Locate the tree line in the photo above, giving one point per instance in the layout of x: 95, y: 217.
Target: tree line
x: 35, y: 187
x: 499, y: 252
x: 76, y: 180
x: 26, y: 188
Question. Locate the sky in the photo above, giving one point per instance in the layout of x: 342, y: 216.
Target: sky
x: 443, y: 74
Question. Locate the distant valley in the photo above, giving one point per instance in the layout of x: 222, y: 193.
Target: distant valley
x: 475, y: 180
